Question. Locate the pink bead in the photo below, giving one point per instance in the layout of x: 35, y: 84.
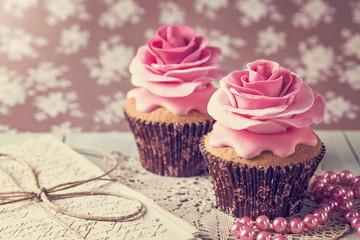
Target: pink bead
x: 333, y: 204
x: 235, y: 229
x: 327, y: 190
x: 317, y: 193
x: 320, y: 179
x: 311, y: 222
x: 296, y: 226
x: 349, y: 194
x: 326, y: 207
x: 349, y: 215
x: 330, y: 177
x: 356, y: 190
x: 247, y: 221
x: 321, y: 215
x: 247, y: 233
x: 280, y: 225
x: 315, y: 184
x: 356, y: 180
x: 345, y: 205
x: 280, y: 237
x: 338, y: 193
x: 264, y: 236
x: 262, y: 223
x: 355, y: 222
x: 346, y: 177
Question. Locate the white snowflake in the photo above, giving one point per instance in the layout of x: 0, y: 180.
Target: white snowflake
x: 313, y: 12
x: 352, y: 46
x: 350, y: 74
x: 56, y: 103
x: 17, y: 7
x: 253, y: 11
x: 17, y: 43
x: 171, y: 13
x: 47, y: 76
x: 72, y: 39
x: 355, y: 6
x: 120, y: 12
x: 209, y: 8
x: 113, y: 110
x: 227, y: 43
x: 337, y: 107
x: 149, y: 33
x: 7, y: 129
x: 61, y: 10
x: 316, y: 63
x: 65, y: 127
x: 269, y: 41
x: 112, y: 63
x: 12, y: 91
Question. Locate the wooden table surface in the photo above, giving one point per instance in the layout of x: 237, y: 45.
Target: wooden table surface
x: 342, y: 148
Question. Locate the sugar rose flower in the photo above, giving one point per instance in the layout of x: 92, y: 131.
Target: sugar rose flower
x: 175, y: 62
x: 266, y: 98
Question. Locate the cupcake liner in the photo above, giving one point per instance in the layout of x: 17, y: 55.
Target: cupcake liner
x: 170, y: 149
x: 273, y: 191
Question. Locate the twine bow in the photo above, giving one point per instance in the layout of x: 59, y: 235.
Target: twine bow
x: 47, y: 194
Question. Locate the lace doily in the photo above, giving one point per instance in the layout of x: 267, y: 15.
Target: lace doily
x: 193, y: 200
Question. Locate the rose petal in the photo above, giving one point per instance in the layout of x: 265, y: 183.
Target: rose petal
x: 268, y: 88
x: 190, y: 74
x: 174, y: 37
x: 172, y: 89
x: 200, y: 45
x: 301, y: 103
x: 314, y: 115
x: 141, y: 74
x: 233, y: 120
x: 263, y: 68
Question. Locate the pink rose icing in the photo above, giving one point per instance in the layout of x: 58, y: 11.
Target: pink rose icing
x: 175, y: 63
x: 266, y: 99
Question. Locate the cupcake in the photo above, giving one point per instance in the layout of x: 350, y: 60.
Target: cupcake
x: 167, y: 111
x: 261, y: 153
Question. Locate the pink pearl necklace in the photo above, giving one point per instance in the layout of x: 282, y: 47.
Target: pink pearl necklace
x: 323, y: 188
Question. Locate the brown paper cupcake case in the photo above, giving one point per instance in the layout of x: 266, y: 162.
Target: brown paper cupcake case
x: 241, y: 190
x: 170, y: 149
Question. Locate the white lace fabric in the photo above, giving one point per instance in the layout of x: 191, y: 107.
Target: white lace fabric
x: 193, y: 199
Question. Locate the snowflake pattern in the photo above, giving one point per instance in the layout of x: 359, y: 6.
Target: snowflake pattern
x: 12, y: 91
x: 69, y: 8
x: 209, y: 8
x: 17, y: 43
x: 337, y: 107
x: 17, y: 7
x: 77, y: 52
x: 316, y: 61
x: 72, y: 40
x: 64, y: 128
x: 120, y: 12
x: 56, y: 103
x: 308, y: 17
x: 171, y: 13
x: 113, y: 110
x: 227, y: 43
x: 269, y: 41
x: 352, y: 45
x: 252, y: 11
x: 355, y: 6
x: 48, y: 76
x: 112, y: 63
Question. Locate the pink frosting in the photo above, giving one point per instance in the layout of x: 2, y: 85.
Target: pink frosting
x: 176, y: 63
x: 147, y: 101
x: 251, y: 144
x: 266, y: 99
